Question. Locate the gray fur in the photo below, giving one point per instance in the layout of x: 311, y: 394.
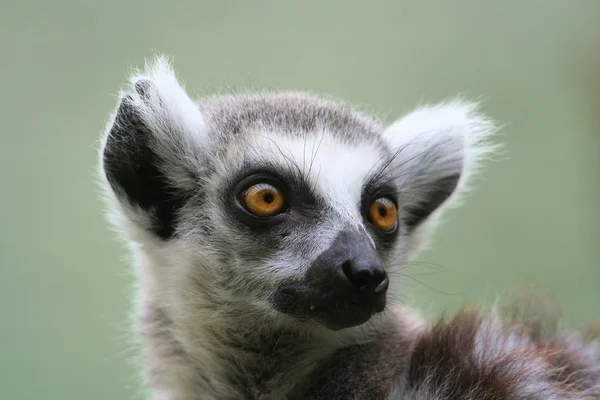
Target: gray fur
x: 294, y: 114
x: 171, y: 169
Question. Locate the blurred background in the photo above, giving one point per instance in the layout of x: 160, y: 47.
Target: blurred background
x: 533, y: 220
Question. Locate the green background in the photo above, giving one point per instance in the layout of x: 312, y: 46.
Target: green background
x: 534, y: 218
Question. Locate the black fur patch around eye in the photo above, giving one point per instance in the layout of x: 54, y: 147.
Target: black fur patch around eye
x: 376, y: 187
x: 132, y: 169
x: 303, y: 205
x: 435, y: 194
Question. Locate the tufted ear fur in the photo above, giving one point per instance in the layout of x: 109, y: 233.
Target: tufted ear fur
x: 436, y: 149
x: 153, y: 149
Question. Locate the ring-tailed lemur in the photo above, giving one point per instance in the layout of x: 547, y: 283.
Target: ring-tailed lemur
x: 265, y: 229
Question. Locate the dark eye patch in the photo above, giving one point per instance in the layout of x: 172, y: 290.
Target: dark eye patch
x: 379, y: 186
x: 301, y: 201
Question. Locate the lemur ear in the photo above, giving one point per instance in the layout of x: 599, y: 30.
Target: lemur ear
x: 436, y: 149
x: 153, y: 148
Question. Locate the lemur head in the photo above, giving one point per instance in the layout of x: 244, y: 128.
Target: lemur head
x: 291, y: 204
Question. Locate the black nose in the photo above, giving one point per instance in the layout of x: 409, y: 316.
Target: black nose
x: 366, y: 276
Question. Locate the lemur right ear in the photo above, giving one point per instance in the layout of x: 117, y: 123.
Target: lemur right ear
x: 437, y: 148
x: 153, y: 149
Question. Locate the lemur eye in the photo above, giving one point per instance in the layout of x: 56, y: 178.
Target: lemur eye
x: 383, y: 214
x: 263, y: 200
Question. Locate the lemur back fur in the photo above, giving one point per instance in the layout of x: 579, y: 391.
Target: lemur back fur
x: 204, y: 305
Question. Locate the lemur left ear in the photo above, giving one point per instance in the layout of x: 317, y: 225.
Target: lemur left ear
x: 436, y: 150
x: 154, y: 149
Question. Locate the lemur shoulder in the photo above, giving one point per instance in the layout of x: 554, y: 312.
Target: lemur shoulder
x: 266, y: 229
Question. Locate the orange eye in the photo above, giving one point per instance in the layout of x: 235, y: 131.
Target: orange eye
x: 383, y: 214
x: 263, y: 200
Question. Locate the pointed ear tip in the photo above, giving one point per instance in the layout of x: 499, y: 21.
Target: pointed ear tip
x: 477, y: 126
x: 458, y: 116
x: 158, y: 62
x: 158, y: 68
x: 465, y: 110
x: 157, y: 80
x: 161, y: 65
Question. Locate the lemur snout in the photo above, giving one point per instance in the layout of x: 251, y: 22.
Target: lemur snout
x: 344, y: 286
x: 361, y: 282
x: 365, y: 277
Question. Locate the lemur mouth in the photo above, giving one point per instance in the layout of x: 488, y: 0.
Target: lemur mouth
x: 335, y: 311
x: 347, y: 316
x: 343, y: 287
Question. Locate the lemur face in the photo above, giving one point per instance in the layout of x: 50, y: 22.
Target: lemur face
x: 297, y: 205
x: 312, y: 217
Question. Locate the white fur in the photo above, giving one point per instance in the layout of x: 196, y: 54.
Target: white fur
x: 337, y: 171
x: 170, y: 109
